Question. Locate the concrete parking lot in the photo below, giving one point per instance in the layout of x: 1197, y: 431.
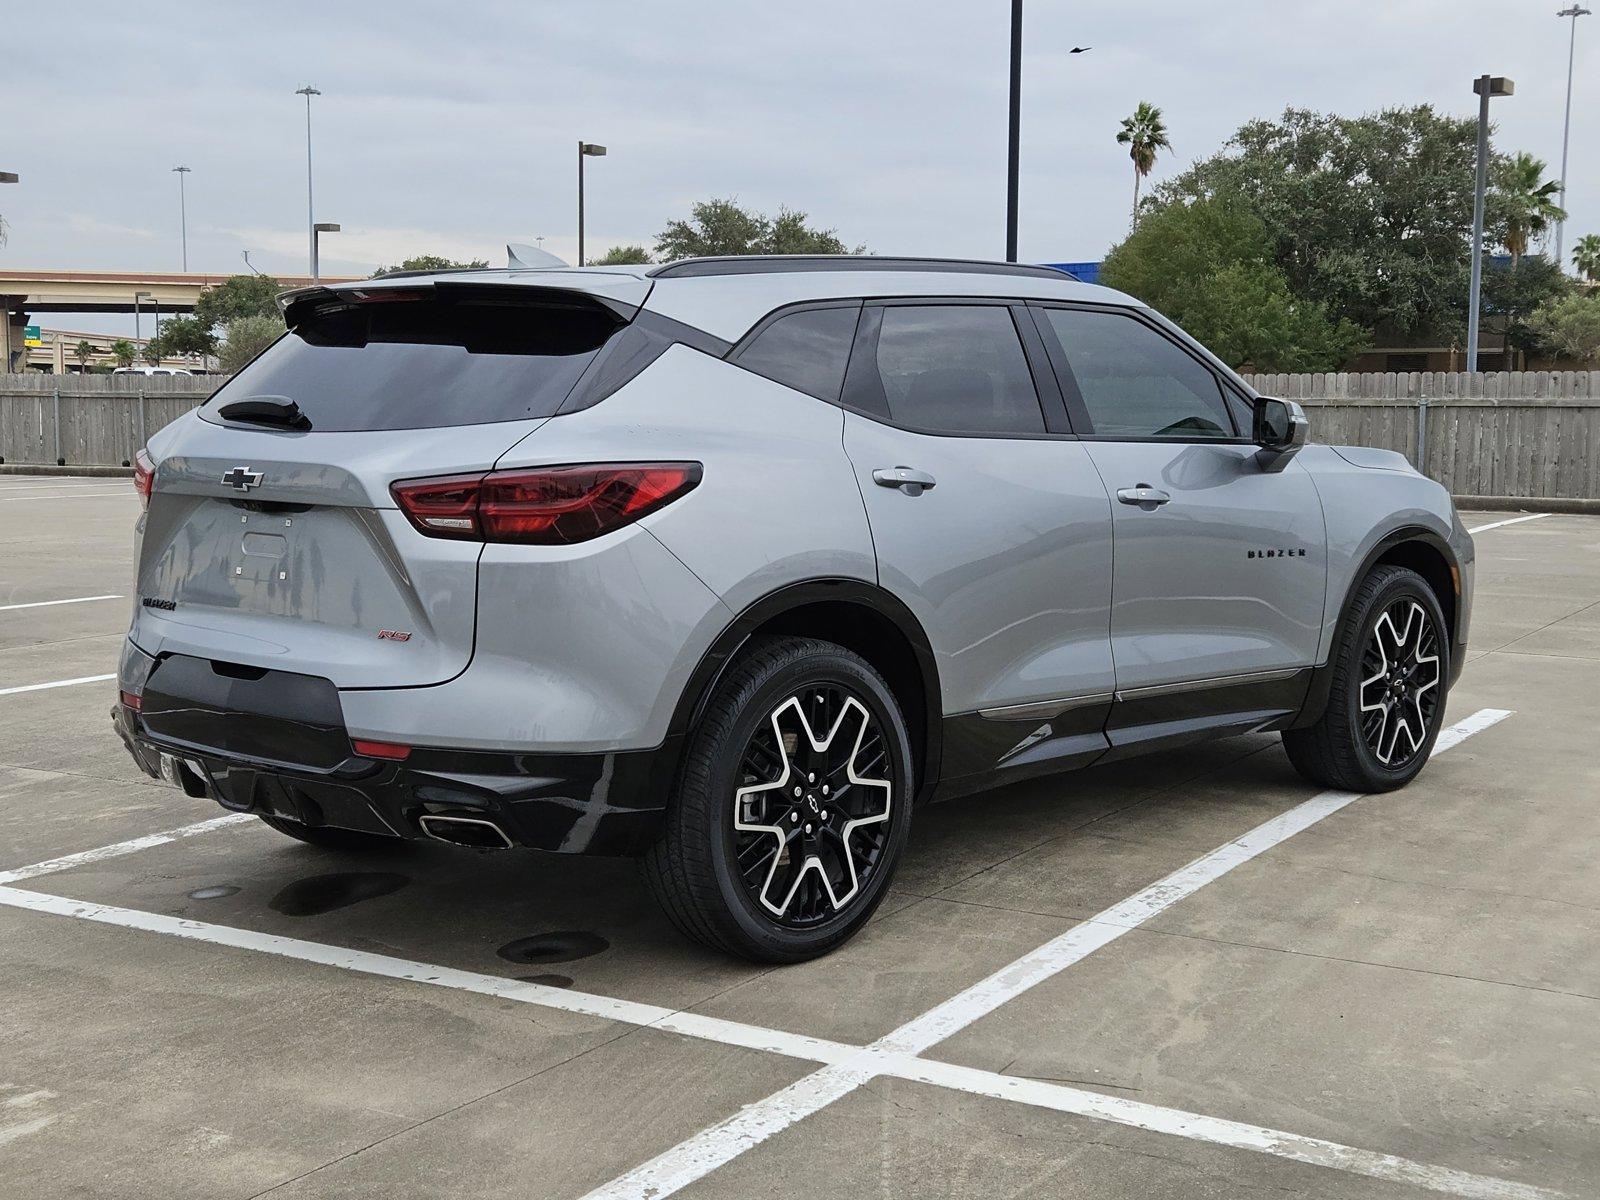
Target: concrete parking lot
x: 1191, y: 976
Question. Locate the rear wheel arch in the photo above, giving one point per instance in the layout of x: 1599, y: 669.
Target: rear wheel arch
x: 852, y: 613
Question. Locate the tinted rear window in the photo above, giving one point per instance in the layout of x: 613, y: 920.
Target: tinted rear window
x: 425, y: 363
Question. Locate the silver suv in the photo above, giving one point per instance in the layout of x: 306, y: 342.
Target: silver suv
x: 732, y: 563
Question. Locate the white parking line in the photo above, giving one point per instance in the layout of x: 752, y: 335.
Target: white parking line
x: 846, y: 1067
x: 1511, y: 521
x: 82, y: 494
x: 698, y: 1156
x: 39, y: 687
x: 48, y: 603
x: 132, y: 846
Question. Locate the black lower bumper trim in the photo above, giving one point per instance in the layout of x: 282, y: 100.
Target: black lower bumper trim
x: 605, y: 803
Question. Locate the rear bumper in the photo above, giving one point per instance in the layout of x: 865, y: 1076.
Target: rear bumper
x: 273, y: 745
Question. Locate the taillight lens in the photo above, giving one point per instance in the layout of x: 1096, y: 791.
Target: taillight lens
x: 144, y: 477
x: 547, y: 506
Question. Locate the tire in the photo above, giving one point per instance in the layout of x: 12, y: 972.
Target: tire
x: 746, y: 866
x: 1404, y: 702
x: 327, y: 837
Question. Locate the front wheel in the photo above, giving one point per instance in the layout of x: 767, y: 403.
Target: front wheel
x: 792, y: 807
x: 1386, y: 703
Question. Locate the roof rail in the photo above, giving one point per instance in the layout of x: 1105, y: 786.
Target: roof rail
x: 768, y: 264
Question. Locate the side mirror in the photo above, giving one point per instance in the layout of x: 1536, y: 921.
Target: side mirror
x: 1279, y: 427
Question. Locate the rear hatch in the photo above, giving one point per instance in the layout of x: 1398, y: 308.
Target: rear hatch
x: 272, y: 539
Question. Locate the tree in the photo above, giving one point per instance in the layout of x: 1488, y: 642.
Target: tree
x: 187, y: 336
x: 1570, y: 326
x: 83, y: 352
x: 1370, y: 215
x: 1208, y: 265
x: 1522, y: 204
x: 1513, y: 293
x: 430, y: 262
x: 246, y: 337
x: 238, y: 296
x: 1586, y: 256
x: 1144, y: 133
x: 721, y: 227
x: 122, y: 350
x: 151, y: 351
x: 619, y: 256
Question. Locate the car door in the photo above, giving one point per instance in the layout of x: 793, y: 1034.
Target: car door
x: 990, y: 524
x: 1217, y: 593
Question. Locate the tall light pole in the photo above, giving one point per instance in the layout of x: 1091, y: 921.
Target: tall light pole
x: 585, y: 150
x: 183, y: 214
x: 1574, y: 12
x: 1014, y: 133
x: 317, y: 230
x: 1485, y: 86
x: 308, y: 91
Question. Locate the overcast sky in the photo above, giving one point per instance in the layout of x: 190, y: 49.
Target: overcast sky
x: 451, y: 128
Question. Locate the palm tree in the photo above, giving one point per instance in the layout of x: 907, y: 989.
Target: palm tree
x: 1586, y: 256
x: 83, y: 352
x: 1526, y: 201
x: 123, y: 351
x: 1143, y: 134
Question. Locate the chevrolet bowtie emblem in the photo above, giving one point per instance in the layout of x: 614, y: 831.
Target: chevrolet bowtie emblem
x: 242, y: 479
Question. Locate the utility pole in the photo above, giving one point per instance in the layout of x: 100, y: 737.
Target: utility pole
x: 183, y: 214
x: 311, y: 220
x: 1574, y: 12
x: 1014, y: 138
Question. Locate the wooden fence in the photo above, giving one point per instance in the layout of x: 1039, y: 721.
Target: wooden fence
x: 1524, y: 434
x: 90, y: 420
x: 1533, y: 434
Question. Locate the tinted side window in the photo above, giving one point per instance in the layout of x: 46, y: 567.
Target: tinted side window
x: 953, y: 368
x: 806, y: 350
x: 1136, y: 383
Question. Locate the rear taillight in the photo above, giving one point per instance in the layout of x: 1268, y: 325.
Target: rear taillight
x: 546, y: 506
x: 144, y: 477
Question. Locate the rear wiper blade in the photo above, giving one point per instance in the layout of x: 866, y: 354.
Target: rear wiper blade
x: 278, y: 411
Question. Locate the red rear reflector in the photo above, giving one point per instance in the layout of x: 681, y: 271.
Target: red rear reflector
x: 546, y: 506
x: 129, y: 700
x: 144, y: 476
x: 391, y: 750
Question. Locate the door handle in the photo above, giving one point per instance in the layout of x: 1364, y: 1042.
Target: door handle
x: 1145, y: 496
x: 909, y: 480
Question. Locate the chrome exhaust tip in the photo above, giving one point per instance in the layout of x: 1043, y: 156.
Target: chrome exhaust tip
x: 478, y: 833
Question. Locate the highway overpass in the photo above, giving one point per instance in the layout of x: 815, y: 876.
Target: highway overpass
x: 24, y: 293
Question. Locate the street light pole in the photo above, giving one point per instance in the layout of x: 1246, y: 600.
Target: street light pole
x: 308, y: 91
x: 138, y: 334
x: 317, y: 230
x: 1014, y: 140
x: 1485, y: 86
x: 1574, y: 12
x: 183, y: 214
x: 585, y: 150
